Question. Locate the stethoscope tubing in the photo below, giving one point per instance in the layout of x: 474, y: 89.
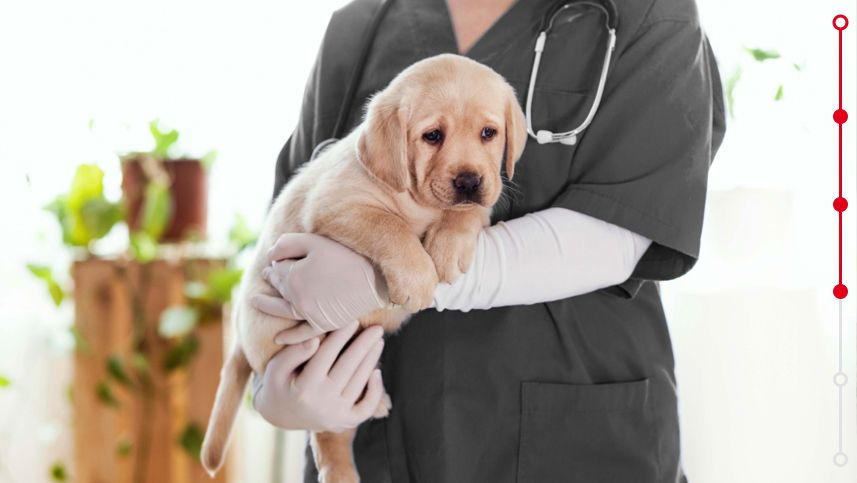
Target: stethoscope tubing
x: 569, y: 138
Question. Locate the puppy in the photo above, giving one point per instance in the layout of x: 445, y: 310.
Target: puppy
x: 409, y: 188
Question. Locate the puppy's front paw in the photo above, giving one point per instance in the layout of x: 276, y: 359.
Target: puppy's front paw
x: 452, y: 251
x: 411, y: 282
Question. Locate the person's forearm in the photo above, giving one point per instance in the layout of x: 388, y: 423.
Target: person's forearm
x: 548, y: 255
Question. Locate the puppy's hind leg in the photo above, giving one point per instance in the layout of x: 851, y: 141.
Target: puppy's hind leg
x: 334, y: 458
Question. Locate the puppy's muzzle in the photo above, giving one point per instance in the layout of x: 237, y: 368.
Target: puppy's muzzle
x: 467, y: 186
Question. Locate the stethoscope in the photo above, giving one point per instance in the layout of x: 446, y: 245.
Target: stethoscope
x: 611, y: 19
x: 542, y: 136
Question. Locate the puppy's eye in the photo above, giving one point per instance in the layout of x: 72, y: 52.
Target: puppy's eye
x: 488, y: 133
x: 433, y: 137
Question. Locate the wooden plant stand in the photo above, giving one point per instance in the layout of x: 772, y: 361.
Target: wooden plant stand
x: 131, y: 431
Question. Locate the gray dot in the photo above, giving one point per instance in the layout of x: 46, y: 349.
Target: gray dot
x: 840, y: 379
x: 840, y: 459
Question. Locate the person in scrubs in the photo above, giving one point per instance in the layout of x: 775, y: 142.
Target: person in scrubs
x: 550, y: 359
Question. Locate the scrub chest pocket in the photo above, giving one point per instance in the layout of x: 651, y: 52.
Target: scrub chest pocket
x: 604, y: 433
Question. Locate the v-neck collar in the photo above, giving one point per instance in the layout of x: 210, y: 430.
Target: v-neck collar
x: 504, y: 29
x: 486, y: 33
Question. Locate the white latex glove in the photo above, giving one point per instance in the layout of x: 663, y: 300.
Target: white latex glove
x: 326, y: 394
x: 320, y: 281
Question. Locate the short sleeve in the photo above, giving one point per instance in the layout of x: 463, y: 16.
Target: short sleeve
x: 643, y: 162
x: 299, y: 146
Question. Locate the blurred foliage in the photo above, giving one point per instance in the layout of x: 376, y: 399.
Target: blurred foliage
x: 44, y: 274
x: 191, y: 440
x: 181, y: 352
x: 105, y: 394
x: 123, y: 447
x: 762, y: 55
x: 165, y: 140
x: 157, y: 209
x: 4, y: 382
x: 116, y: 371
x: 241, y: 235
x: 84, y: 214
x: 759, y: 55
x: 58, y: 472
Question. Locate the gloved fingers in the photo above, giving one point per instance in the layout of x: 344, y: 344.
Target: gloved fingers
x: 291, y: 245
x: 277, y: 273
x: 297, y: 334
x: 319, y: 366
x: 361, y: 347
x: 275, y: 306
x: 360, y: 377
x: 364, y: 409
x: 282, y: 366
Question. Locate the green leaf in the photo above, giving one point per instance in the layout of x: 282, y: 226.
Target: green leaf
x: 779, y: 94
x: 44, y: 274
x: 191, y: 440
x: 797, y: 67
x: 58, y: 472
x: 177, y: 321
x: 729, y: 87
x: 98, y: 216
x: 208, y: 159
x: 5, y: 382
x: 116, y: 370
x: 157, y: 209
x: 180, y: 354
x: 164, y: 140
x: 241, y: 235
x: 762, y: 55
x: 105, y: 394
x: 140, y: 363
x: 83, y: 213
x: 123, y: 447
x: 221, y: 282
x: 143, y: 248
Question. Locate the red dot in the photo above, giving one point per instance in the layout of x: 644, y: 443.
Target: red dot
x: 840, y: 291
x: 840, y: 116
x: 840, y: 25
x: 840, y: 204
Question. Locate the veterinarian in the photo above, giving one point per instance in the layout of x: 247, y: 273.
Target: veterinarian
x: 550, y: 359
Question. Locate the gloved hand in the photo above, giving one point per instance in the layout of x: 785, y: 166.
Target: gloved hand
x: 323, y: 396
x: 320, y: 281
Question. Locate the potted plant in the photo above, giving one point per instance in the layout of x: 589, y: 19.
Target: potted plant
x: 176, y: 184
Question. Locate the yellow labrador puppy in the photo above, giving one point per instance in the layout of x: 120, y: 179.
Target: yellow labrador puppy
x: 409, y: 189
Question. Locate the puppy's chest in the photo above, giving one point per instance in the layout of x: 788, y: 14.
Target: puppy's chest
x: 418, y: 217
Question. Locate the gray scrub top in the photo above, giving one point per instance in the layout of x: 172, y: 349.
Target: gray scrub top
x: 576, y: 390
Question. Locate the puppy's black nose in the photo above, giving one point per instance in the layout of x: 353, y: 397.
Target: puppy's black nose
x: 467, y: 183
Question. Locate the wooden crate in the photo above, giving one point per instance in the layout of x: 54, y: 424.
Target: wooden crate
x: 108, y: 294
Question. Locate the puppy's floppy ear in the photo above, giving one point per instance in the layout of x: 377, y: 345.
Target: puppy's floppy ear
x: 516, y: 132
x: 383, y: 144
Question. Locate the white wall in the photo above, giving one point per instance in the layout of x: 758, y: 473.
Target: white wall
x: 753, y: 324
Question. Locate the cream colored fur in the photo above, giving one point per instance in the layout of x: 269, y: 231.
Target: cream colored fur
x: 388, y: 194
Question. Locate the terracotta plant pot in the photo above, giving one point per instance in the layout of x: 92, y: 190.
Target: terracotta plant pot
x: 188, y: 190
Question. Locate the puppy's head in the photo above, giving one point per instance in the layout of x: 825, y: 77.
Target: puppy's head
x: 442, y: 130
